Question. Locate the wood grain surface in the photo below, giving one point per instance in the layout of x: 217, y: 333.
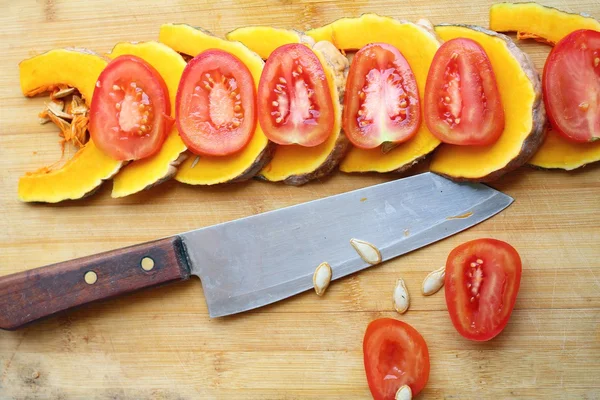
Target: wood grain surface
x: 160, y: 344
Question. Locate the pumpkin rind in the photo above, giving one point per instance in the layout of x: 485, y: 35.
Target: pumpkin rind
x: 85, y: 172
x: 532, y: 20
x: 418, y: 43
x: 243, y: 165
x: 151, y: 171
x: 525, y: 118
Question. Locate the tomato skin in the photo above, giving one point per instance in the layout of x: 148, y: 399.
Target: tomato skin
x: 121, y: 132
x: 462, y: 101
x: 380, y: 82
x: 571, y: 86
x: 394, y: 348
x: 295, y: 105
x: 481, y: 296
x: 216, y: 104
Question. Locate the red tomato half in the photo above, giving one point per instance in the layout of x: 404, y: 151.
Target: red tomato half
x: 215, y: 104
x: 395, y: 354
x: 482, y: 281
x: 130, y: 113
x: 294, y: 101
x: 462, y: 102
x: 381, y: 101
x: 571, y: 86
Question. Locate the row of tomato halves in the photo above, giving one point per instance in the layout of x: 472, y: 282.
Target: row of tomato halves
x: 407, y: 89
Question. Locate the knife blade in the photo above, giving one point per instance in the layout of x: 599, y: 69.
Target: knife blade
x: 258, y: 260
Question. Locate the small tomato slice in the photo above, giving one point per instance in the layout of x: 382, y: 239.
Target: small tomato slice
x: 294, y: 101
x: 395, y: 354
x: 482, y: 281
x: 130, y: 113
x: 462, y: 101
x: 571, y: 85
x: 215, y: 107
x: 381, y: 100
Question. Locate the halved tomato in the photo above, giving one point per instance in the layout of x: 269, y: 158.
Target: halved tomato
x: 462, y: 101
x: 482, y: 281
x: 381, y: 101
x: 571, y: 85
x: 294, y: 101
x: 215, y: 104
x: 395, y: 354
x: 130, y: 114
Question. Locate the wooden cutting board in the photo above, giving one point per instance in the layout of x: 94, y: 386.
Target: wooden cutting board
x: 160, y: 344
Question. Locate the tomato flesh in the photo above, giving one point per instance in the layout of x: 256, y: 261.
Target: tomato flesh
x: 381, y: 100
x: 462, y: 101
x: 130, y: 113
x: 571, y: 85
x: 395, y: 354
x: 482, y: 281
x: 294, y: 101
x: 215, y: 104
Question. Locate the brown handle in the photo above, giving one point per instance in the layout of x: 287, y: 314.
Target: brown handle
x: 38, y: 293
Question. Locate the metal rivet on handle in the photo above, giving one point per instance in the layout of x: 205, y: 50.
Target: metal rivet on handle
x: 147, y: 264
x: 90, y: 277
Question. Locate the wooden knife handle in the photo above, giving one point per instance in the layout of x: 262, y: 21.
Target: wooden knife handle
x: 30, y: 295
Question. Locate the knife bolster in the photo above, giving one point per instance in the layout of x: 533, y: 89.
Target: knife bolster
x: 30, y: 295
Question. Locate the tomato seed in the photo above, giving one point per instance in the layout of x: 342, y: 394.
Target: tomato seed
x: 596, y: 61
x: 584, y: 106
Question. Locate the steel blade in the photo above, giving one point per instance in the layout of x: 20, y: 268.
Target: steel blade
x: 258, y: 260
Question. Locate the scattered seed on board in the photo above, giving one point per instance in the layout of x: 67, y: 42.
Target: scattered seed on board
x: 322, y: 278
x: 433, y: 281
x: 401, y: 298
x: 368, y: 252
x: 404, y: 393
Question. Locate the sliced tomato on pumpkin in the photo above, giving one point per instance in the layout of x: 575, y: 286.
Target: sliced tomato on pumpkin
x: 381, y: 100
x: 462, y: 101
x: 130, y: 113
x: 482, y: 281
x: 571, y: 85
x: 395, y: 354
x: 294, y: 102
x: 215, y: 107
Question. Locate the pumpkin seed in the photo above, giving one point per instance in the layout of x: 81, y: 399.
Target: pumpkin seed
x: 368, y: 252
x: 433, y: 281
x: 78, y: 106
x: 404, y: 393
x: 59, y: 94
x: 56, y: 108
x: 322, y: 278
x: 401, y: 297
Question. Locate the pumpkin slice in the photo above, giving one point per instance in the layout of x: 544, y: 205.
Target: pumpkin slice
x: 525, y: 118
x: 207, y: 170
x: 162, y: 166
x: 557, y: 152
x: 534, y: 21
x: 418, y: 43
x: 85, y: 172
x: 297, y: 165
x: 294, y: 164
x: 264, y: 39
x: 548, y: 25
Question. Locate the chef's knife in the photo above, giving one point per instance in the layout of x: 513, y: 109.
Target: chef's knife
x: 258, y: 260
